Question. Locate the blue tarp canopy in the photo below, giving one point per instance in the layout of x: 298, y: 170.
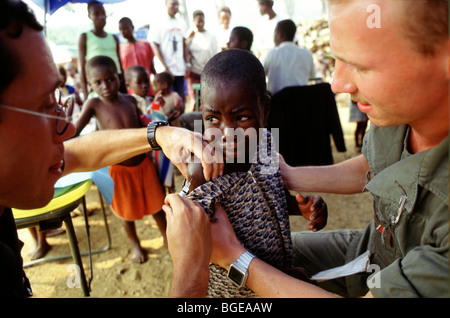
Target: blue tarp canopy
x: 50, y: 6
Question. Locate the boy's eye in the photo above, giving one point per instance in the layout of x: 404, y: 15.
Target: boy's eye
x: 212, y: 120
x: 242, y: 118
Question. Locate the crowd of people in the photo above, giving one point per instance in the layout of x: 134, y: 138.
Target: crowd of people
x: 230, y: 226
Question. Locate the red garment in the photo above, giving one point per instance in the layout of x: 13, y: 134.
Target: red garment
x: 138, y: 53
x: 137, y: 191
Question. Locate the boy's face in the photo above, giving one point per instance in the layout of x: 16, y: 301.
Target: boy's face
x: 126, y: 30
x: 224, y: 19
x: 234, y: 111
x: 172, y: 7
x: 140, y: 84
x: 160, y: 86
x: 98, y: 16
x: 199, y: 22
x: 104, y: 81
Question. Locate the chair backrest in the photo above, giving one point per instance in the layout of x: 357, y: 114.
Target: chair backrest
x: 63, y: 197
x: 306, y: 117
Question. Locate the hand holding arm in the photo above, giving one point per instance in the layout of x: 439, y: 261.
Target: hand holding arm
x: 114, y: 146
x: 178, y: 144
x: 189, y: 241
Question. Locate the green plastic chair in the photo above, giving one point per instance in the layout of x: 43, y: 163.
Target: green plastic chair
x: 54, y: 214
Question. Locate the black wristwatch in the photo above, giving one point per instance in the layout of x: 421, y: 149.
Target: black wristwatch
x: 238, y: 271
x: 151, y: 129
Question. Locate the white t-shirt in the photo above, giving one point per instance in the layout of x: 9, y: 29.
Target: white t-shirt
x: 264, y: 35
x: 288, y: 65
x: 203, y: 46
x: 223, y: 36
x: 169, y: 34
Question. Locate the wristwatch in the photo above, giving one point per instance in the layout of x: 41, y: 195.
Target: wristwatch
x: 238, y: 271
x: 151, y: 129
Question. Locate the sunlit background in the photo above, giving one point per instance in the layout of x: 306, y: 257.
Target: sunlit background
x: 66, y: 24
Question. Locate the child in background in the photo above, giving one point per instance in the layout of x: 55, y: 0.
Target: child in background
x: 135, y: 52
x: 251, y: 190
x: 138, y: 82
x: 136, y: 188
x: 67, y: 89
x: 240, y: 38
x: 72, y: 76
x: 361, y: 119
x: 98, y: 42
x: 167, y: 100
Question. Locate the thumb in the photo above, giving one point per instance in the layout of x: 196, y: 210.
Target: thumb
x: 169, y: 213
x: 300, y: 199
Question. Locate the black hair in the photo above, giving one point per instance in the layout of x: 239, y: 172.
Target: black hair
x: 244, y: 34
x: 164, y: 77
x: 126, y: 20
x: 135, y: 69
x: 198, y: 13
x: 101, y: 60
x: 236, y: 66
x: 225, y: 9
x: 287, y: 29
x: 14, y: 15
x: 266, y: 2
x: 92, y: 4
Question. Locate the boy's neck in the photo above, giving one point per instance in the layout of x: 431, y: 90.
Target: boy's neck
x: 131, y: 40
x: 112, y: 99
x: 100, y: 32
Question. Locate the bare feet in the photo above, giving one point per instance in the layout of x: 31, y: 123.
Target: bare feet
x: 40, y: 251
x: 138, y: 255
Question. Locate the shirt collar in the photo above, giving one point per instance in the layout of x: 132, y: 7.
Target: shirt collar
x: 428, y: 169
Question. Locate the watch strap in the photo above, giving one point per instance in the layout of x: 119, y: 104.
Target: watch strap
x: 151, y: 130
x: 242, y: 264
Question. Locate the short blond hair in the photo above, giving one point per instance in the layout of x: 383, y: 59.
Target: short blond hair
x: 424, y: 23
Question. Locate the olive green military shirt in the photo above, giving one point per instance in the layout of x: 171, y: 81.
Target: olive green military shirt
x: 411, y: 203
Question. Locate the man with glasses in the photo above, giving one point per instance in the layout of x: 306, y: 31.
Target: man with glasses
x: 34, y: 127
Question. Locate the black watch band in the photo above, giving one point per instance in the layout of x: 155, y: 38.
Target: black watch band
x: 151, y: 129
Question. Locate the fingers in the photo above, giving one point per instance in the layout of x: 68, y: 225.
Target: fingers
x: 318, y: 203
x: 212, y: 165
x: 301, y: 199
x: 173, y: 204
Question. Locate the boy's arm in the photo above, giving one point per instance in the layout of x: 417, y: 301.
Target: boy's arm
x: 156, y: 49
x: 118, y: 54
x: 87, y: 111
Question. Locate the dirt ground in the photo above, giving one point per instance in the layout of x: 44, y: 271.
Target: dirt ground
x: 115, y: 276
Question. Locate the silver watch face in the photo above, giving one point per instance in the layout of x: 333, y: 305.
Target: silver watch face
x: 236, y: 276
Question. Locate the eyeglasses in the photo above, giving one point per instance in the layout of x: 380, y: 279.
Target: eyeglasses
x: 63, y: 111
